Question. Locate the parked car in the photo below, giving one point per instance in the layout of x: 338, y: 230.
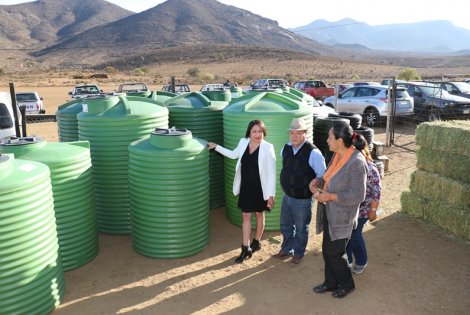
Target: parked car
x: 456, y: 88
x: 179, y: 88
x: 371, y: 102
x: 133, y: 88
x: 321, y: 111
x: 31, y: 101
x: 316, y: 88
x: 269, y: 83
x: 432, y: 102
x: 365, y: 83
x: 7, y: 118
x: 214, y: 87
x: 398, y: 82
x: 85, y: 90
x: 342, y: 87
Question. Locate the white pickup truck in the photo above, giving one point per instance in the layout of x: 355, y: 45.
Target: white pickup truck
x: 85, y: 90
x: 32, y: 102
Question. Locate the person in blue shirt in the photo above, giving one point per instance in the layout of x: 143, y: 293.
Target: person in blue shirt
x: 302, y: 162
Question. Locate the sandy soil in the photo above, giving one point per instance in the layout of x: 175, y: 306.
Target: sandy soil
x: 414, y: 268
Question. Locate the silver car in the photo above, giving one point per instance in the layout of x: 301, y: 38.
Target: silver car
x: 371, y: 102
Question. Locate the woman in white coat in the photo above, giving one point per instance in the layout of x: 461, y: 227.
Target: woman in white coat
x: 254, y: 182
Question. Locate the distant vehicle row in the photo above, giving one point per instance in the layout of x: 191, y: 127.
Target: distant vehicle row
x: 371, y: 101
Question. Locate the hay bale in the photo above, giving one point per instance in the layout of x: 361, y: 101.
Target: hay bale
x: 442, y: 214
x: 448, y: 136
x: 447, y: 164
x: 437, y: 188
x: 411, y: 204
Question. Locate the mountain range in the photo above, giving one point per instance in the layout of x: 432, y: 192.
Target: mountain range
x: 95, y: 32
x: 428, y: 36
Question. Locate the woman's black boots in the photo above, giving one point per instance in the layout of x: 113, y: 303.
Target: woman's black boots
x: 245, y: 254
x: 255, y: 246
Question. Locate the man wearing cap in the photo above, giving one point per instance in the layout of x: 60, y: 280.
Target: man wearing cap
x: 301, y: 163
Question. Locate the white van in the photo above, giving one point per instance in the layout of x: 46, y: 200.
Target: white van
x: 7, y: 119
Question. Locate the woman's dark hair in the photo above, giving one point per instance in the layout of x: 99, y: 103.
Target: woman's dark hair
x: 360, y: 143
x: 251, y: 124
x: 344, y: 131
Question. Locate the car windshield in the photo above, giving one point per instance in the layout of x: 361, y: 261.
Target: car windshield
x: 401, y: 93
x: 133, y: 87
x: 276, y: 82
x: 463, y: 86
x: 87, y: 90
x: 431, y: 90
x: 26, y: 97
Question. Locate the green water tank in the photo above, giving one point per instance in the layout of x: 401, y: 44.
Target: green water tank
x: 31, y: 274
x: 72, y: 187
x: 236, y: 92
x: 169, y: 194
x: 67, y: 120
x: 203, y: 117
x: 301, y: 94
x: 223, y: 95
x: 276, y: 110
x: 110, y: 124
x: 162, y: 96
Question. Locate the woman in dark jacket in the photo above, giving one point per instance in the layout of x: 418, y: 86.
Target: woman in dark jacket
x: 339, y: 193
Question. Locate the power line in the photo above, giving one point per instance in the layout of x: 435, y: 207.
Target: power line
x: 326, y: 27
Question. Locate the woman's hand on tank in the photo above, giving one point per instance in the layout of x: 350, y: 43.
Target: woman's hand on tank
x: 211, y: 145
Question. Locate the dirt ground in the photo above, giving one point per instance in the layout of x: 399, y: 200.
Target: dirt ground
x: 414, y: 268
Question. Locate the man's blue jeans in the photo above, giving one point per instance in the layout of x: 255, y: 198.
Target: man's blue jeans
x: 356, y: 245
x: 296, y: 215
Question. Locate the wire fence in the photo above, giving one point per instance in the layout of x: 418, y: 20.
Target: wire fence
x: 44, y: 126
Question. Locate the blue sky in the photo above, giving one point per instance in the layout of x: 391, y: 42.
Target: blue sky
x: 294, y: 13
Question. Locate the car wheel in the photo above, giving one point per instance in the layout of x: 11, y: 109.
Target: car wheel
x: 433, y: 115
x: 371, y: 116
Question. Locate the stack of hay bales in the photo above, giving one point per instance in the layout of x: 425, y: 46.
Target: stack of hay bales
x: 440, y: 188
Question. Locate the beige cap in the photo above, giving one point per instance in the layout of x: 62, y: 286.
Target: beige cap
x: 298, y: 124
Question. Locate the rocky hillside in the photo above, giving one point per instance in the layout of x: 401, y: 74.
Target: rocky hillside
x: 39, y: 24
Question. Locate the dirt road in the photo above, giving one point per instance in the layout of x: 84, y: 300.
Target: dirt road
x: 413, y: 268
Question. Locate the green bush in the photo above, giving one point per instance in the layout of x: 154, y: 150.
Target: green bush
x: 409, y: 74
x: 193, y: 72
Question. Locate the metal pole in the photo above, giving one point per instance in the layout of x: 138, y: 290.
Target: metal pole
x: 15, y: 109
x: 336, y: 96
x: 173, y: 84
x: 387, y: 127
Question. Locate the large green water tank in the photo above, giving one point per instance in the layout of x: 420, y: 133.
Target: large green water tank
x: 236, y: 92
x: 162, y: 96
x: 204, y: 119
x: 67, y: 120
x: 169, y: 193
x: 31, y: 274
x: 222, y: 95
x: 111, y: 123
x: 72, y: 187
x: 276, y: 110
x: 301, y: 94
